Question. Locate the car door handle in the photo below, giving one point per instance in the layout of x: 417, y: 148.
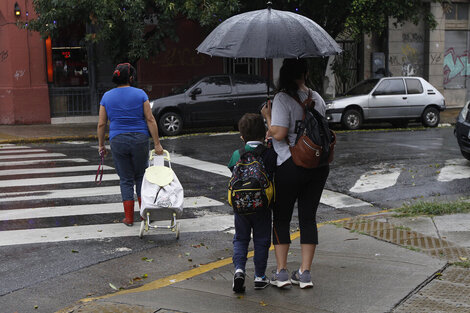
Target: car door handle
x: 404, y: 98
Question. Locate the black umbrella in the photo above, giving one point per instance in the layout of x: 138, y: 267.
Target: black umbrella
x: 269, y: 34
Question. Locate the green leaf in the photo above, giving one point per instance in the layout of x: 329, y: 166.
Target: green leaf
x: 112, y: 286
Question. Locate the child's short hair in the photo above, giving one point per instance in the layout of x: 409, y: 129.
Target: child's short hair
x: 251, y: 127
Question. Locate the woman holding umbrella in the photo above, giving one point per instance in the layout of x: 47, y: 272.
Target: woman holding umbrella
x: 293, y: 183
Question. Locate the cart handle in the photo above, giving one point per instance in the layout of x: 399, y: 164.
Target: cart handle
x: 166, y: 155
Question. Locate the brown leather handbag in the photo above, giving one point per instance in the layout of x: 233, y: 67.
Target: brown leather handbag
x: 306, y: 153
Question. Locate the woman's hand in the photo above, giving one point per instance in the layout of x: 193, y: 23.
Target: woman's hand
x: 266, y: 110
x: 158, y: 148
x: 102, y: 151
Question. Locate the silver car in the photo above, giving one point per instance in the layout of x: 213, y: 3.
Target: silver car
x: 393, y: 99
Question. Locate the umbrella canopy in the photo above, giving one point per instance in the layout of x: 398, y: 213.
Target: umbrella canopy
x: 269, y: 34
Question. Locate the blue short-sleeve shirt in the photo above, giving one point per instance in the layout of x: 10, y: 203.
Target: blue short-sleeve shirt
x: 125, y: 110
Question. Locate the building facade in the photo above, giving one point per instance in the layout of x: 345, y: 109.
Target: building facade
x: 62, y: 80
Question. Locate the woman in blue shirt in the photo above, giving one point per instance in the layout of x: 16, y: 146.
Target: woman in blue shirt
x: 131, y: 123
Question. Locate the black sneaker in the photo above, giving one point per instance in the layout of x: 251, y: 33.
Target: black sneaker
x: 238, y: 285
x: 261, y: 282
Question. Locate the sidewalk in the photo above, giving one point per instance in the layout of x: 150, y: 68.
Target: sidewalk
x: 367, y: 264
x: 87, y: 131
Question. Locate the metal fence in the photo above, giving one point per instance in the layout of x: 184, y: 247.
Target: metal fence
x: 73, y: 101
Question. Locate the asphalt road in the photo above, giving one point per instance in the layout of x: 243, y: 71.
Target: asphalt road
x: 42, y: 208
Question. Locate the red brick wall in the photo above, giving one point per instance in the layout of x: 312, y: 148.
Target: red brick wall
x: 179, y: 63
x: 24, y: 97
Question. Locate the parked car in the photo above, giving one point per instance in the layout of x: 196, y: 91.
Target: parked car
x: 392, y: 99
x: 216, y: 100
x: 462, y: 130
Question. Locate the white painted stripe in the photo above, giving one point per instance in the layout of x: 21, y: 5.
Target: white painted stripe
x: 22, y: 152
x: 50, y: 170
x: 454, y: 169
x: 30, y: 162
x: 339, y: 200
x: 201, y: 165
x: 376, y: 179
x: 58, y: 234
x: 74, y: 142
x: 12, y: 146
x: 32, y: 155
x: 55, y: 180
x: 60, y: 194
x: 86, y: 209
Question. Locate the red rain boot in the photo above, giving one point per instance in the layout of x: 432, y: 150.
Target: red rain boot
x: 140, y: 201
x: 128, y: 212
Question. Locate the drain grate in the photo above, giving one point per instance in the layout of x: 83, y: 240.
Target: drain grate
x: 405, y: 237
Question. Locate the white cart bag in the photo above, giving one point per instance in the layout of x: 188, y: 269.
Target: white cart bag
x: 161, y: 189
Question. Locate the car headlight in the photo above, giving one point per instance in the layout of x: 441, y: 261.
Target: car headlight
x: 329, y: 104
x: 464, y: 112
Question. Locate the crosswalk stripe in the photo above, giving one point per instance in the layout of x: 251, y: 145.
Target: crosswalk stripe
x: 339, y: 200
x: 201, y: 165
x: 454, y: 169
x: 8, y: 146
x: 376, y: 179
x: 101, y: 231
x: 27, y: 151
x: 60, y: 194
x: 89, y: 209
x: 52, y: 170
x: 30, y: 156
x: 54, y: 180
x: 39, y: 161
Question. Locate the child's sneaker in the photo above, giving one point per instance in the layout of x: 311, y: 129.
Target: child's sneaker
x: 281, y: 279
x: 261, y: 282
x: 304, y: 280
x: 239, y: 281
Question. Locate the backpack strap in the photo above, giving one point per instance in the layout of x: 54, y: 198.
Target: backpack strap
x: 258, y: 151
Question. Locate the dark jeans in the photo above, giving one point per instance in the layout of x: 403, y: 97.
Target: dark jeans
x: 130, y: 155
x: 260, y: 222
x: 304, y: 185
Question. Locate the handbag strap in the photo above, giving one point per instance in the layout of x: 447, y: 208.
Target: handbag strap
x: 304, y: 108
x: 99, y: 172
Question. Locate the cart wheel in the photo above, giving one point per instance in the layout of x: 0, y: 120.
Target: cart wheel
x: 177, y: 230
x: 142, y: 227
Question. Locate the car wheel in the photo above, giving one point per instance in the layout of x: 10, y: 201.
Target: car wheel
x: 465, y: 154
x: 430, y: 117
x: 351, y: 119
x: 170, y: 123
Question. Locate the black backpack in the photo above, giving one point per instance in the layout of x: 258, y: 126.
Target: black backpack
x: 321, y: 140
x: 250, y: 189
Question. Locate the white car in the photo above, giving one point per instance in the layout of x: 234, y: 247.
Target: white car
x: 392, y: 99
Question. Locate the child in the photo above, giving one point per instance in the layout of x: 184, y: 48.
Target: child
x: 252, y: 130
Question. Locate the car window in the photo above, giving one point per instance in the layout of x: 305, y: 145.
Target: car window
x: 362, y: 88
x: 250, y: 84
x: 215, y: 85
x: 413, y: 86
x: 391, y: 87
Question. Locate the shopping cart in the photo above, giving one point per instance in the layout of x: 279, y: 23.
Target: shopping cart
x: 161, y: 193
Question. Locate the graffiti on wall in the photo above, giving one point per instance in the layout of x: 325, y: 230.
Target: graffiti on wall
x: 3, y: 55
x: 455, y: 65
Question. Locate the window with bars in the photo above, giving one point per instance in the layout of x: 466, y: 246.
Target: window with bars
x: 456, y: 11
x: 241, y: 66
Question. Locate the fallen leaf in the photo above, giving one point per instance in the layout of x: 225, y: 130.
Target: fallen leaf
x: 149, y: 260
x: 239, y: 297
x: 112, y: 286
x: 74, y: 251
x: 187, y: 254
x: 463, y: 258
x: 190, y: 260
x: 100, y: 230
x: 137, y: 278
x: 36, y: 307
x: 145, y: 276
x: 262, y: 303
